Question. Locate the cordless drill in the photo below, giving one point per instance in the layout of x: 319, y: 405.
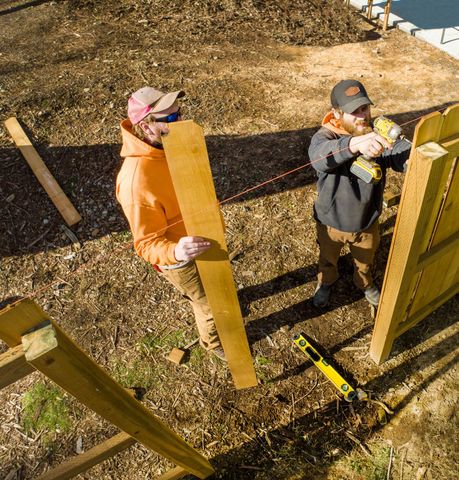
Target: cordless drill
x: 364, y: 167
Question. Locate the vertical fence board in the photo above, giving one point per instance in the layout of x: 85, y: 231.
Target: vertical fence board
x: 439, y: 276
x: 450, y: 125
x: 188, y: 162
x: 428, y: 127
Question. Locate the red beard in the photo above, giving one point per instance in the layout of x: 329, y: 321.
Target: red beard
x: 360, y: 127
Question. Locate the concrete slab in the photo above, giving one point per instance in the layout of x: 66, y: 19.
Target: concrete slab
x: 434, y: 21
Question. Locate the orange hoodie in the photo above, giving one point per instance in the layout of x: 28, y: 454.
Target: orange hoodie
x: 145, y: 191
x: 333, y: 124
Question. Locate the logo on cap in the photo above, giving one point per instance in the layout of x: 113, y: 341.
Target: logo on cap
x: 351, y: 91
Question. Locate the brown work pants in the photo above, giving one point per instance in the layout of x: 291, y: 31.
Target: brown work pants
x: 362, y: 245
x: 188, y: 282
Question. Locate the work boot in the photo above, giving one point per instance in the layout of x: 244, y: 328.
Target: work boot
x: 219, y: 353
x: 372, y: 294
x: 321, y: 295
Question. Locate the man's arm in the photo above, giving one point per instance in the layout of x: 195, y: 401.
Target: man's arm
x: 327, y: 152
x: 148, y: 225
x: 397, y: 157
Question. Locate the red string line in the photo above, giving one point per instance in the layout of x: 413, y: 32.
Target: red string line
x: 126, y: 245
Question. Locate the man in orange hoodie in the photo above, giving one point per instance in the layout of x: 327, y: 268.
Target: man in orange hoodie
x: 347, y: 208
x: 145, y: 191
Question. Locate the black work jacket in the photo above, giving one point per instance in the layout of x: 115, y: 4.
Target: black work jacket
x: 346, y: 202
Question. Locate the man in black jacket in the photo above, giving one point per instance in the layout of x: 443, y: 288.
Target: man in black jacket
x: 347, y: 208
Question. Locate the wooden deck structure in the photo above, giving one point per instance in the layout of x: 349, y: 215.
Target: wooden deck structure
x: 369, y: 9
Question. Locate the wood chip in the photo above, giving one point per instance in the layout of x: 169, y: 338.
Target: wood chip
x: 189, y: 345
x: 389, y: 466
x: 176, y: 356
x: 70, y: 234
x: 358, y: 442
x: 251, y: 467
x: 79, y: 445
x: 11, y: 475
x: 235, y: 253
x: 420, y: 474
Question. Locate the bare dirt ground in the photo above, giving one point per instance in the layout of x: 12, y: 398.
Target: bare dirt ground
x: 257, y: 77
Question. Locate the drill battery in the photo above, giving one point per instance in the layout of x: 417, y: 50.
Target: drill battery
x: 367, y: 170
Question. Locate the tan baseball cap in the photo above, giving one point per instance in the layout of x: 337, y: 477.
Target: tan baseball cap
x: 149, y: 100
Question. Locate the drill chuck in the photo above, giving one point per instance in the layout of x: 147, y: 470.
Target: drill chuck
x: 387, y: 128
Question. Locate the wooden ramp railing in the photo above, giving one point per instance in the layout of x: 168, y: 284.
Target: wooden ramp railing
x: 37, y: 342
x: 369, y: 8
x: 423, y: 267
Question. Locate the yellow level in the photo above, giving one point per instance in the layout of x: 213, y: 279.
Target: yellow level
x: 302, y: 341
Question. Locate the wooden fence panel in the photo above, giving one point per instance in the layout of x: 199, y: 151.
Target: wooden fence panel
x: 442, y: 274
x: 36, y: 342
x: 54, y: 354
x: 422, y: 268
x: 418, y: 199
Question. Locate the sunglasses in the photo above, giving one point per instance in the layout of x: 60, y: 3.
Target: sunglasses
x: 173, y: 117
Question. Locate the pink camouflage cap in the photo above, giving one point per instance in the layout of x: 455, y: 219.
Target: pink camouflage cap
x: 149, y: 100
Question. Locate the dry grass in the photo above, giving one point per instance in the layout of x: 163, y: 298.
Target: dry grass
x: 260, y: 97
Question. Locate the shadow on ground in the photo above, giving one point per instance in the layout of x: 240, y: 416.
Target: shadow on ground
x: 308, y: 438
x: 30, y: 223
x: 32, y: 3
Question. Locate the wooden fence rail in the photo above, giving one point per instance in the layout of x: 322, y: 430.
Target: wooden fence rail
x: 423, y: 267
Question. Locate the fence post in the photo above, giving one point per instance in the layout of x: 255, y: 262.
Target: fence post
x: 386, y: 14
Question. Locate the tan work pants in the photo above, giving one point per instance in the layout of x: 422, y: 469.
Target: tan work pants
x: 187, y: 281
x: 363, y: 246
